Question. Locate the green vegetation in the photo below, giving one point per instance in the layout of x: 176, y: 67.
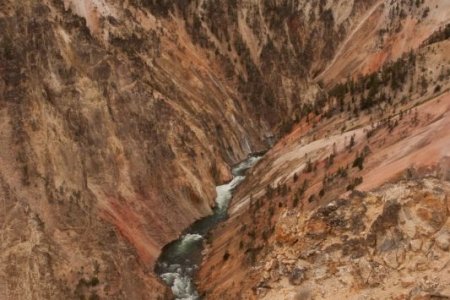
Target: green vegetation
x: 226, y: 256
x: 440, y: 35
x: 310, y: 167
x: 367, y: 92
x: 354, y: 183
x: 359, y: 161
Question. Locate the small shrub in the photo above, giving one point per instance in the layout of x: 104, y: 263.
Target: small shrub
x: 226, y: 256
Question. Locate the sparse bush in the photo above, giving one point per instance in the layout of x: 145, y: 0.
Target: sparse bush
x: 94, y: 281
x: 309, y: 166
x: 355, y: 182
x: 359, y: 161
x: 322, y: 192
x: 226, y: 256
x: 270, y: 191
x: 426, y: 12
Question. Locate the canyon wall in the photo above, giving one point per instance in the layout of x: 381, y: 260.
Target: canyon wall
x: 346, y: 205
x: 113, y: 137
x: 119, y: 118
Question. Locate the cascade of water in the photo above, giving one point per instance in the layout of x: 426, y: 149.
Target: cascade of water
x: 180, y: 259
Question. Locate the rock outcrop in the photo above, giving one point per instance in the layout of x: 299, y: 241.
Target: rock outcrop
x: 385, y: 244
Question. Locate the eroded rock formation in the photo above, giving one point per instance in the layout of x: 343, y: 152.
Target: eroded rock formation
x: 117, y: 120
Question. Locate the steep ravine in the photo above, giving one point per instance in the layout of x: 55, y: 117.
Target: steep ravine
x: 180, y: 259
x: 119, y: 118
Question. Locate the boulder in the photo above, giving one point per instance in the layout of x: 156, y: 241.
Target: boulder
x: 443, y: 241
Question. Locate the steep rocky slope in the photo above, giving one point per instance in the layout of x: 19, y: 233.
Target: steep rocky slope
x: 119, y: 118
x: 113, y: 136
x: 388, y: 30
x: 393, y: 242
x: 389, y: 243
x: 380, y: 128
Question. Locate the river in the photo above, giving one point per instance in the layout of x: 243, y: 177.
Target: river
x: 180, y: 259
